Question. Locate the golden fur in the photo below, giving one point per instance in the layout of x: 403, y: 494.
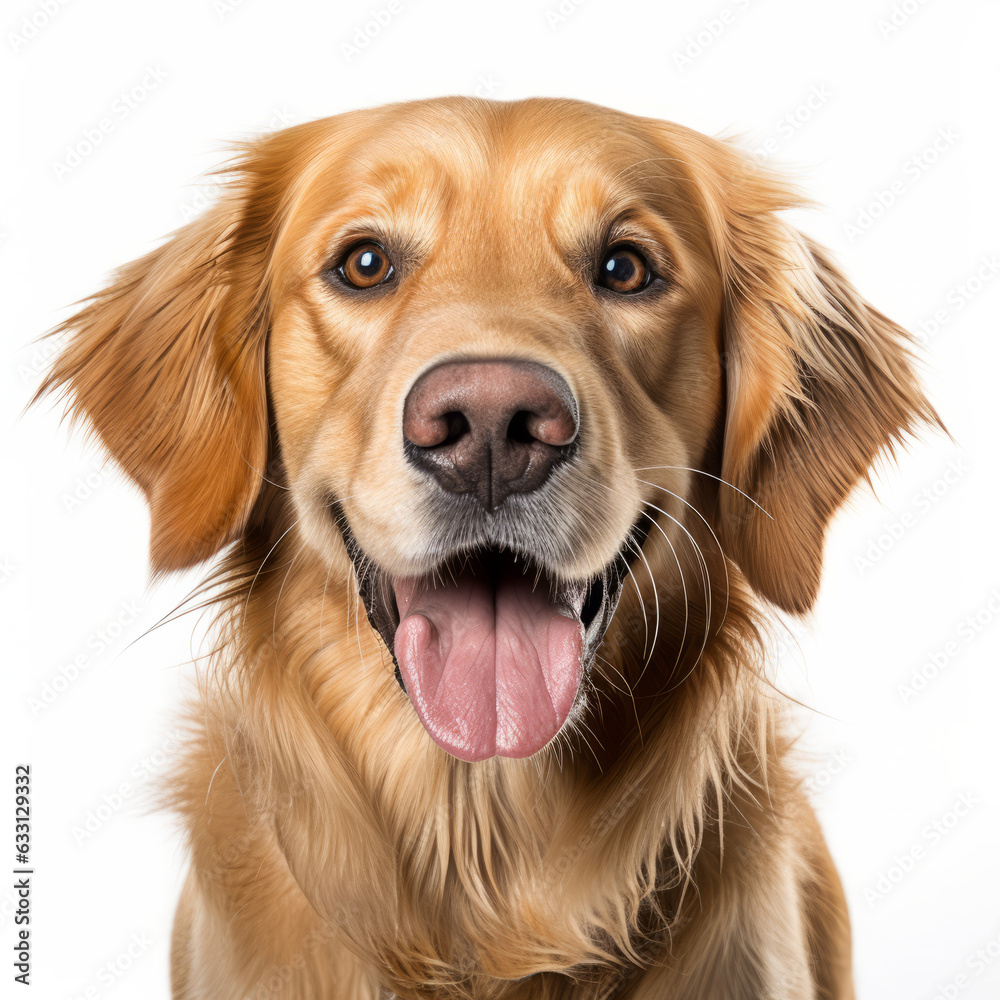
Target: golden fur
x: 660, y: 846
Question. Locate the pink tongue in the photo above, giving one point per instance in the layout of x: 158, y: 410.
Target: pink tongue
x: 490, y: 666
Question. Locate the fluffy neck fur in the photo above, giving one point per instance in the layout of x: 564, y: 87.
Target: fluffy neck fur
x: 569, y: 867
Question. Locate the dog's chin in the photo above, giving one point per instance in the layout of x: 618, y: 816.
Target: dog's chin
x: 492, y: 650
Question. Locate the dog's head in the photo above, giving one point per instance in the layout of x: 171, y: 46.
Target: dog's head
x: 504, y: 350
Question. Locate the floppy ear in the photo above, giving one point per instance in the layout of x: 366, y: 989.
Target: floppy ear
x: 166, y: 365
x: 818, y: 385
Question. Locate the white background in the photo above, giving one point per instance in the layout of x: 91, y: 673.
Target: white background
x: 74, y: 563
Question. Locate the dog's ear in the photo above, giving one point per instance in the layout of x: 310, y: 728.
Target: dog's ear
x: 818, y: 382
x: 166, y: 365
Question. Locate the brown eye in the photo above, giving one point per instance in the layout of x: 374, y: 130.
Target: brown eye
x: 365, y: 266
x: 624, y: 270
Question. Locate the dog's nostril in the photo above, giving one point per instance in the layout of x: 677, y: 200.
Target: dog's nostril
x: 518, y: 429
x: 457, y: 426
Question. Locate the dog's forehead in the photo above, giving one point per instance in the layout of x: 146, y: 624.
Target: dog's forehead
x: 512, y: 160
x: 469, y: 133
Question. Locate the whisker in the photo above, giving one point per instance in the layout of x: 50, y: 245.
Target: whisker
x: 322, y: 607
x: 702, y: 567
x: 264, y: 478
x: 687, y: 610
x: 628, y: 687
x: 246, y: 601
x: 647, y: 646
x: 211, y: 780
x: 706, y: 577
x: 334, y: 501
x: 357, y: 573
x: 680, y: 572
x: 725, y: 482
x: 638, y: 594
x: 361, y: 575
x: 589, y: 482
x: 656, y: 600
x: 711, y: 530
x: 277, y: 600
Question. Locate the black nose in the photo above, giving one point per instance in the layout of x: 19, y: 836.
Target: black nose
x: 489, y: 428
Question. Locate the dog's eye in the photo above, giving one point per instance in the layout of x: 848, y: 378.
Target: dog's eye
x: 365, y: 266
x: 624, y: 270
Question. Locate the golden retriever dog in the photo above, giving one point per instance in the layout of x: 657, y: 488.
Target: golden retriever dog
x: 510, y: 421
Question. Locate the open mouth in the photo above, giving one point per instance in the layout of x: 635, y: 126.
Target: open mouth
x: 490, y: 648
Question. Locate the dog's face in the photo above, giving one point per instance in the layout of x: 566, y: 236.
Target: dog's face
x: 500, y: 342
x: 480, y: 343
